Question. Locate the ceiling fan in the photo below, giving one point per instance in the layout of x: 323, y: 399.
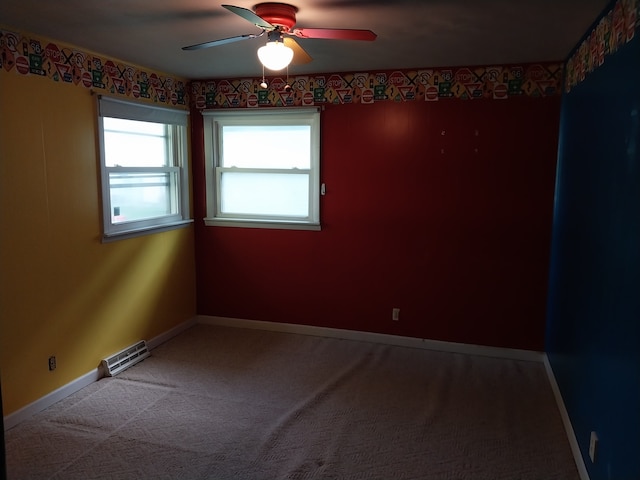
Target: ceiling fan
x: 277, y: 20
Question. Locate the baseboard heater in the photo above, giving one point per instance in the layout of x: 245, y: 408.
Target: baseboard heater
x: 125, y: 358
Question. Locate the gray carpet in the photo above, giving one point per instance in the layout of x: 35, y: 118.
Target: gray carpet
x: 226, y: 403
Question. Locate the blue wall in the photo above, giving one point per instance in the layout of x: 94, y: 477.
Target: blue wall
x: 593, y: 331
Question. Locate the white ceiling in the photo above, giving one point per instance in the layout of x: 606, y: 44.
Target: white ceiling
x: 411, y: 33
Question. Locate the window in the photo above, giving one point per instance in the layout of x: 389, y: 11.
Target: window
x: 143, y: 166
x: 263, y: 168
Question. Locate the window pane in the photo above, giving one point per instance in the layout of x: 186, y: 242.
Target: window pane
x: 265, y: 194
x: 137, y: 196
x: 129, y: 143
x: 280, y: 146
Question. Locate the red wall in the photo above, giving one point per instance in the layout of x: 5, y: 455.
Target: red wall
x: 442, y: 209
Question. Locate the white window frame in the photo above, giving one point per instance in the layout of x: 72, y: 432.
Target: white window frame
x: 215, y: 120
x: 176, y: 122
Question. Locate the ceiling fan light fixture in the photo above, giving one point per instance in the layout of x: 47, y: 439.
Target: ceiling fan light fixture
x: 275, y: 55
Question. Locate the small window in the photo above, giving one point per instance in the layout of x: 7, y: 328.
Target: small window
x: 263, y: 168
x: 143, y: 165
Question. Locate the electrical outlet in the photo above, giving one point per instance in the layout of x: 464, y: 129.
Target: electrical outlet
x: 593, y: 446
x: 52, y: 363
x: 395, y: 314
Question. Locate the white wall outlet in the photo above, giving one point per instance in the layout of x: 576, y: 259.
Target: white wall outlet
x: 593, y: 446
x: 395, y: 314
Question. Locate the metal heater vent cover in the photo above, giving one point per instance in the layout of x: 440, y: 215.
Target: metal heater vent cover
x: 126, y: 358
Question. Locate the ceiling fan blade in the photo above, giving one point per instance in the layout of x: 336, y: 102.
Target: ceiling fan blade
x: 222, y: 41
x: 334, y: 33
x: 300, y: 56
x: 250, y: 16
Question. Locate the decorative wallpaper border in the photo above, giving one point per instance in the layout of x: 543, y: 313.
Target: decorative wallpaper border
x: 432, y: 84
x: 616, y: 28
x: 28, y: 55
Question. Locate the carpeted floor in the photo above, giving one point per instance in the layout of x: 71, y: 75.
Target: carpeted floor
x: 224, y: 403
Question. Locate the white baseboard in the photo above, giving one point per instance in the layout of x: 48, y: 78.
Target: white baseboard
x: 411, y: 342
x: 49, y: 399
x: 169, y: 334
x: 573, y: 441
x: 508, y: 353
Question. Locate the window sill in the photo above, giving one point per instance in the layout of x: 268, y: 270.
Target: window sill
x: 138, y: 232
x: 276, y: 224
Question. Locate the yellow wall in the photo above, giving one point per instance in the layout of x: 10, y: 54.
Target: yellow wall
x: 63, y: 292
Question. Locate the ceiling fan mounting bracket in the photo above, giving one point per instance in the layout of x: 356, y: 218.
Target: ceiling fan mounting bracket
x: 279, y: 14
x: 275, y: 35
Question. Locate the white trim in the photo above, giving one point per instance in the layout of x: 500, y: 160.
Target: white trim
x: 229, y: 222
x: 138, y: 232
x: 507, y: 353
x: 411, y: 342
x: 169, y: 334
x: 571, y: 436
x: 46, y: 401
x: 118, y: 108
x: 177, y: 154
x: 215, y: 120
x: 263, y: 111
x: 49, y: 399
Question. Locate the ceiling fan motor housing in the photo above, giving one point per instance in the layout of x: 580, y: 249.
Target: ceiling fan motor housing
x: 279, y: 14
x: 278, y: 19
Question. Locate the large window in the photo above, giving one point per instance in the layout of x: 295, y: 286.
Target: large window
x: 143, y: 166
x: 263, y: 168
